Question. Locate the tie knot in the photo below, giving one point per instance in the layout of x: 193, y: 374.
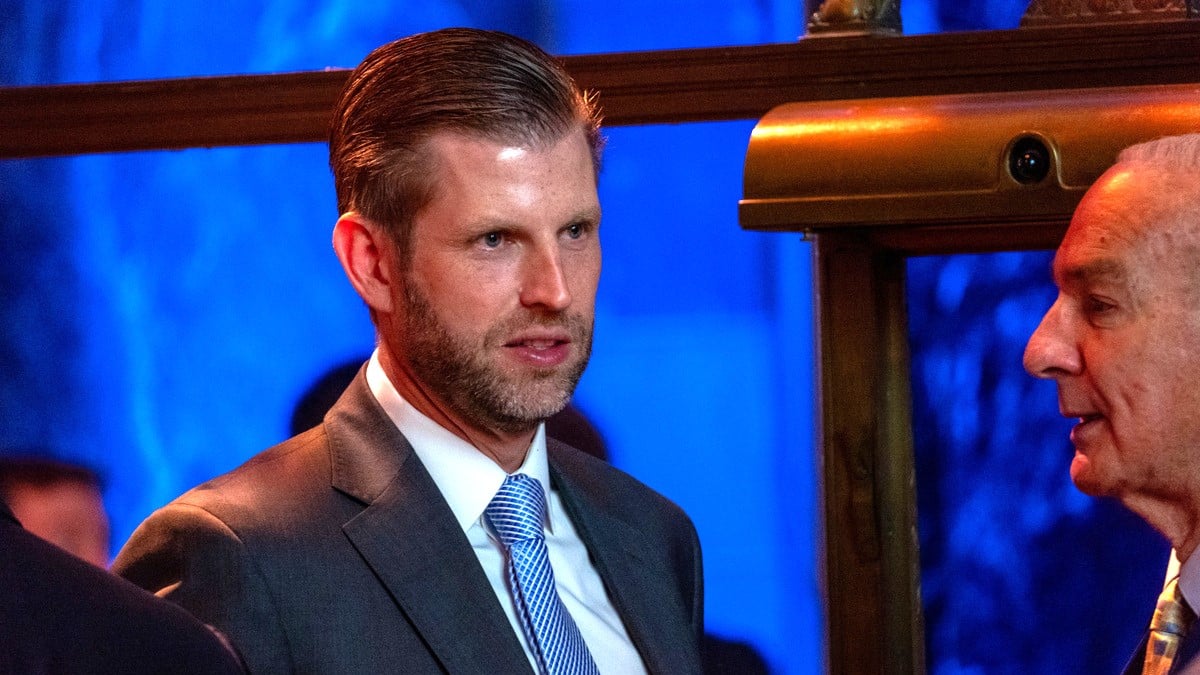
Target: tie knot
x: 518, y: 509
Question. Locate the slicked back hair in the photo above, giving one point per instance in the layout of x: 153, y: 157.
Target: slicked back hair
x: 484, y: 84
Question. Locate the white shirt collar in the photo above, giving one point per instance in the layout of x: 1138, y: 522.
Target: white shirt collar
x: 1189, y: 577
x: 467, y: 478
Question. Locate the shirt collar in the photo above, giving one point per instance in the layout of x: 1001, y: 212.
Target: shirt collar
x: 1189, y: 577
x: 467, y: 478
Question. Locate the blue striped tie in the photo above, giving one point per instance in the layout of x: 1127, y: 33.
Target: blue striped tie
x: 517, y: 513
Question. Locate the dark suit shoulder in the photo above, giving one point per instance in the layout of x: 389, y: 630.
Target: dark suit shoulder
x: 61, y: 614
x: 301, y: 458
x: 614, y: 490
x: 276, y: 493
x: 227, y: 549
x: 262, y: 552
x: 328, y: 472
x: 252, y: 521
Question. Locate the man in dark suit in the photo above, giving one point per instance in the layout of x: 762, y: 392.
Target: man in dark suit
x: 1121, y: 342
x: 60, y: 614
x: 380, y: 541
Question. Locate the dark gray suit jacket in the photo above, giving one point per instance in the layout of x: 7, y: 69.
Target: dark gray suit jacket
x: 59, y: 614
x: 334, y: 552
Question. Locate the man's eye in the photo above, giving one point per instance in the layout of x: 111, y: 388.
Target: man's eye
x: 576, y: 230
x: 492, y: 239
x: 1097, y: 306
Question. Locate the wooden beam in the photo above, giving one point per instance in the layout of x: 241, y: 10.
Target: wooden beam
x: 655, y: 87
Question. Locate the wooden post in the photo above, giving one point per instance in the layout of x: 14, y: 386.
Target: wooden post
x: 872, y: 569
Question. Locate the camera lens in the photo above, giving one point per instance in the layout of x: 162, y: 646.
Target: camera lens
x: 1029, y: 160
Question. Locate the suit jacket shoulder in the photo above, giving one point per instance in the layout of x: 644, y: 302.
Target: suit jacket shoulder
x: 331, y: 552
x: 210, y: 549
x: 61, y: 614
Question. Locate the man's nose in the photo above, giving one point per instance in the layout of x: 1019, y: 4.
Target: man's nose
x: 544, y: 282
x: 1051, y: 351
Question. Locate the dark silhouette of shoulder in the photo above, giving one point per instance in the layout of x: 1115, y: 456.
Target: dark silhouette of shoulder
x: 59, y: 614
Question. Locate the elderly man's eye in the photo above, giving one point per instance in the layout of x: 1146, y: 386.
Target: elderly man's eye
x: 492, y: 239
x: 1096, y: 305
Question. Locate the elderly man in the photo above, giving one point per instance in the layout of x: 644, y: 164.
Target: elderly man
x: 1121, y: 342
x: 428, y: 525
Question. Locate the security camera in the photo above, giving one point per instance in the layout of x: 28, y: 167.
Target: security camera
x: 1028, y: 160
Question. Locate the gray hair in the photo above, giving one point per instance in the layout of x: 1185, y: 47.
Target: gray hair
x: 1170, y: 202
x: 1170, y: 154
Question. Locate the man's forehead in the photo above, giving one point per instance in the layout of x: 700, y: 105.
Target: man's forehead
x: 1104, y: 234
x: 1104, y: 245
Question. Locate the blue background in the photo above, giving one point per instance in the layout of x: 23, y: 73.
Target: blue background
x: 162, y: 313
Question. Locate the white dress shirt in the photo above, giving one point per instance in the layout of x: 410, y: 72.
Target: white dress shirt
x: 1189, y: 577
x: 468, y: 480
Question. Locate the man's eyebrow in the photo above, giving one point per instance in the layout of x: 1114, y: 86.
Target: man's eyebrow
x: 1091, y: 272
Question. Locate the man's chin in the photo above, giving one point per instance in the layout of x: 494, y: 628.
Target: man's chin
x: 1086, y: 477
x: 524, y: 407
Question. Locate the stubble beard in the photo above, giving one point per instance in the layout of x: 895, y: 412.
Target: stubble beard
x: 457, y: 368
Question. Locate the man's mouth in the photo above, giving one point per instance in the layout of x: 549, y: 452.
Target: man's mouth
x: 542, y: 338
x: 1087, y: 422
x: 542, y: 351
x: 536, y: 344
x: 1082, y: 414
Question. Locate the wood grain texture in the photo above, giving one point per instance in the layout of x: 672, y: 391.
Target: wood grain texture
x: 655, y: 87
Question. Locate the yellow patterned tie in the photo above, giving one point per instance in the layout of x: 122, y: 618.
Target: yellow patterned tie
x: 1171, y: 620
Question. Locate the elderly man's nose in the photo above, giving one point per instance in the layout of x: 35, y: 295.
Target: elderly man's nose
x: 1050, y: 352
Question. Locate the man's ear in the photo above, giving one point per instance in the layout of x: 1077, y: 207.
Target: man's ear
x: 368, y: 255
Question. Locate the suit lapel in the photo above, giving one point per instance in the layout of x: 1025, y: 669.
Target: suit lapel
x: 641, y: 588
x: 1187, y: 653
x: 410, y: 539
x: 1134, y: 666
x: 1190, y: 648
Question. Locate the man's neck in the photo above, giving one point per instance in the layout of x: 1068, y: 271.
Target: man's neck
x: 1178, y: 521
x: 506, y: 449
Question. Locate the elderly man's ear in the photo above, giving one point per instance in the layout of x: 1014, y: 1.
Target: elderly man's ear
x: 369, y: 256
